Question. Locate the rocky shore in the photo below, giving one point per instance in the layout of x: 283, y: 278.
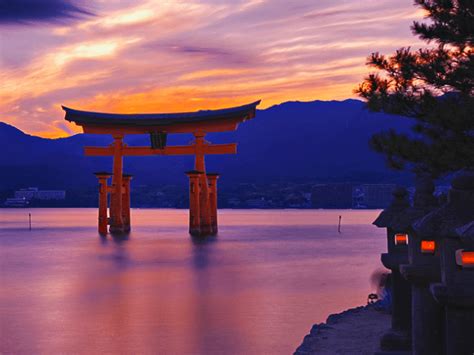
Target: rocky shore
x: 354, y: 331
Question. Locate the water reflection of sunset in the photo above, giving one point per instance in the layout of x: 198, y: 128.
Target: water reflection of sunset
x: 252, y: 289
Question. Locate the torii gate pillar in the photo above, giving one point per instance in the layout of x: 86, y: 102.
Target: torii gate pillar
x: 194, y: 202
x: 103, y: 191
x: 116, y: 216
x: 126, y: 201
x: 202, y: 203
x: 212, y: 181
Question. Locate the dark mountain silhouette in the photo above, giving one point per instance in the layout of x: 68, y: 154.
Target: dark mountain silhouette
x: 295, y: 141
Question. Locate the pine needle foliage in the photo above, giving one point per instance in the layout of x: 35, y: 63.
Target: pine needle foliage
x: 433, y: 86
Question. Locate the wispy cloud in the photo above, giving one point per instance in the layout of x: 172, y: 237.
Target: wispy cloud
x: 145, y: 56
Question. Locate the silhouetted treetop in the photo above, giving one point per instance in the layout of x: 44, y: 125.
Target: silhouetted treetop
x: 451, y: 22
x: 432, y: 85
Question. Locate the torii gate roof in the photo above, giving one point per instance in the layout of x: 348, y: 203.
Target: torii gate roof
x: 210, y: 120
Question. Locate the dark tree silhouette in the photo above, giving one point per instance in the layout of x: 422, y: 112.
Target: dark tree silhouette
x: 434, y: 86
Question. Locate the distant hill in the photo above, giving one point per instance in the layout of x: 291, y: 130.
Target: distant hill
x: 319, y: 141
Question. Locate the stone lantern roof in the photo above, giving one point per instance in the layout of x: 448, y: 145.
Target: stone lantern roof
x: 388, y: 216
x: 466, y: 232
x: 457, y: 212
x: 424, y: 202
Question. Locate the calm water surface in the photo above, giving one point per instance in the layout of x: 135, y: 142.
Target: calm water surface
x: 255, y: 289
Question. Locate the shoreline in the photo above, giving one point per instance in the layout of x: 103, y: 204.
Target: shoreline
x: 353, y: 331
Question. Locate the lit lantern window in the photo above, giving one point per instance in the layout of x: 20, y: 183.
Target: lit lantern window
x: 428, y: 246
x: 401, y: 239
x: 465, y: 258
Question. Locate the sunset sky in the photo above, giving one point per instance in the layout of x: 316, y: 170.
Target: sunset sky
x: 159, y: 56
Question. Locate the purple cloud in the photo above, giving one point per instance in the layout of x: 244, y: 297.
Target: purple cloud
x: 33, y: 11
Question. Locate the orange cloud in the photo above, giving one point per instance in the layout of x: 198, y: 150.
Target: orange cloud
x: 148, y: 56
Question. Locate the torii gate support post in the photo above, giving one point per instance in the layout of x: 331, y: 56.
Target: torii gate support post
x: 103, y: 191
x: 194, y: 202
x: 116, y: 217
x: 199, y: 165
x: 212, y: 179
x: 126, y: 202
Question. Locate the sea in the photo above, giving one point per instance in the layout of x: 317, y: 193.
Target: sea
x: 255, y: 288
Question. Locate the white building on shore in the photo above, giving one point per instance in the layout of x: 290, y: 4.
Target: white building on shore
x: 31, y: 193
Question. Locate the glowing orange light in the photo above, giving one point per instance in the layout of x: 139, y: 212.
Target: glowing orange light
x: 465, y: 258
x: 401, y: 239
x: 428, y: 246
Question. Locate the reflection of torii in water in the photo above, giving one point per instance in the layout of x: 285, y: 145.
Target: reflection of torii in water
x: 202, y: 185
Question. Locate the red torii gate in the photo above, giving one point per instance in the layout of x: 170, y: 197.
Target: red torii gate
x: 202, y: 185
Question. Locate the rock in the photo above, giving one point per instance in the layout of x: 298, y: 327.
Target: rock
x: 354, y: 331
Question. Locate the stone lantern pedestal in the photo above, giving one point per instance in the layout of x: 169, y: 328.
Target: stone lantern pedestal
x: 452, y: 225
x: 426, y: 312
x: 423, y: 268
x: 398, y: 338
x: 456, y: 294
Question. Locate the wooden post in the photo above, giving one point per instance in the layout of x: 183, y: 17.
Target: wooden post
x: 126, y: 202
x: 116, y: 219
x: 194, y: 202
x: 199, y: 165
x: 103, y: 190
x: 212, y: 178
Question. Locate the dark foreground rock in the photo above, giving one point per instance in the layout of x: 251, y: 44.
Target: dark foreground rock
x: 355, y: 331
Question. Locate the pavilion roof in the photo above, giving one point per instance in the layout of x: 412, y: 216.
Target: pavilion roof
x: 240, y: 113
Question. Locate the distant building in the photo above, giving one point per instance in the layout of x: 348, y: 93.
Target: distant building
x: 298, y: 200
x: 28, y: 193
x: 233, y: 202
x: 31, y: 193
x: 256, y: 203
x: 332, y: 195
x: 16, y: 202
x: 372, y: 195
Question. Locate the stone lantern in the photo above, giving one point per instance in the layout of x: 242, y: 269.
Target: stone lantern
x: 423, y: 268
x: 451, y: 225
x: 398, y: 338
